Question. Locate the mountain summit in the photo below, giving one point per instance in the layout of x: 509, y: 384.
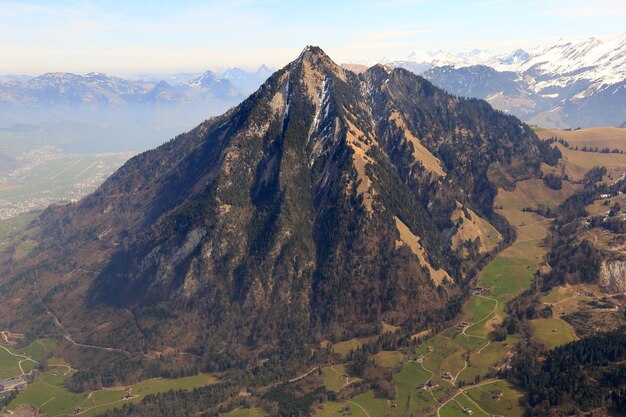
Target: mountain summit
x: 323, y: 205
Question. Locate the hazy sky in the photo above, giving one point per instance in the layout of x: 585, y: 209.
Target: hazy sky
x: 133, y: 36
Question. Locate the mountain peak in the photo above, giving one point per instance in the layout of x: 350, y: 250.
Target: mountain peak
x: 312, y: 51
x: 316, y: 57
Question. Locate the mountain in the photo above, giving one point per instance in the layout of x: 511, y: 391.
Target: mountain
x: 569, y: 84
x: 247, y: 81
x: 100, y: 89
x: 323, y: 205
x: 420, y: 61
x: 125, y: 115
x: 475, y: 81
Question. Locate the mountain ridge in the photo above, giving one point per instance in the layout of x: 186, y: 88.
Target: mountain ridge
x: 566, y: 85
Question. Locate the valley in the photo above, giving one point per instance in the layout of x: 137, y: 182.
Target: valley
x: 47, y: 176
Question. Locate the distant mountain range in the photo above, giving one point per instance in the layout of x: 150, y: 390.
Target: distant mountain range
x: 99, y: 89
x: 566, y: 85
x: 119, y: 114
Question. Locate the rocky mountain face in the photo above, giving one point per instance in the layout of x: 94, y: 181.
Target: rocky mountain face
x: 567, y: 85
x: 322, y: 206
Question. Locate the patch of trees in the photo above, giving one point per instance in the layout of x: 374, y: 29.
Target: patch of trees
x: 554, y: 139
x: 598, y: 150
x: 201, y: 402
x: 614, y: 224
x: 527, y: 306
x: 593, y: 176
x: 285, y: 403
x: 118, y: 370
x: 573, y: 208
x: 542, y: 210
x: 573, y: 262
x: 552, y: 181
x: 583, y: 148
x: 510, y: 325
x: 577, y: 377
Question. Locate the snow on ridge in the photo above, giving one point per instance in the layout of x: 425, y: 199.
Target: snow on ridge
x: 596, y: 62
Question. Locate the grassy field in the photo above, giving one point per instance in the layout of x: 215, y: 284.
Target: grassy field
x: 389, y: 359
x: 456, y: 406
x: 335, y: 409
x: 376, y: 407
x: 9, y: 227
x: 575, y: 164
x: 336, y: 377
x: 408, y: 381
x: 509, y: 405
x: 246, y: 412
x: 600, y: 137
x: 8, y: 365
x: 472, y: 228
x: 553, y: 331
x: 343, y: 348
x: 48, y: 392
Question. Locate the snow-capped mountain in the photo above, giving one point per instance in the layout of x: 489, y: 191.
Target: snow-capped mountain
x: 569, y: 84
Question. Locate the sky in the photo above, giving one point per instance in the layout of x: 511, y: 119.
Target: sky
x: 135, y: 36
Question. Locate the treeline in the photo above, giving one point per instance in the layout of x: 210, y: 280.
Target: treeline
x: 122, y: 370
x: 583, y: 148
x: 202, y: 401
x: 577, y: 377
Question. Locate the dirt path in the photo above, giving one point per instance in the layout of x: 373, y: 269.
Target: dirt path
x: 480, y: 321
x: 361, y: 407
x: 348, y: 382
x: 462, y: 392
x: 19, y: 363
x: 56, y: 365
x: 459, y: 373
x: 298, y: 378
x: 66, y: 335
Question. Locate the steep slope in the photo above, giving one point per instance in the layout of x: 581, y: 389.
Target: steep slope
x: 277, y: 224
